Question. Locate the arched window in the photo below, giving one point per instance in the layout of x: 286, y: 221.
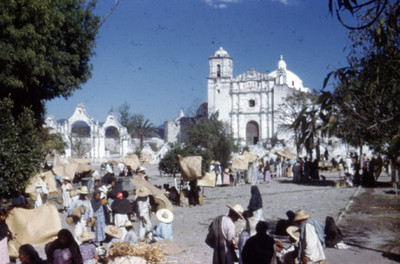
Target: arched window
x: 218, y: 70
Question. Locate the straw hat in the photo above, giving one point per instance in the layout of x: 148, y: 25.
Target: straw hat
x: 84, y: 190
x: 67, y: 178
x: 86, y: 236
x: 238, y: 209
x: 143, y: 191
x: 217, y: 163
x: 113, y: 231
x: 140, y: 169
x: 39, y: 184
x: 164, y: 215
x: 300, y: 215
x: 226, y: 170
x: 42, y: 174
x: 97, y: 177
x: 127, y: 223
x: 294, y: 233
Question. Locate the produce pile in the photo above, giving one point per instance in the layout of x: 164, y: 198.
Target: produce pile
x: 151, y: 253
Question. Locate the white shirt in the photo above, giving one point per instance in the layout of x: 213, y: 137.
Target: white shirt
x: 312, y: 247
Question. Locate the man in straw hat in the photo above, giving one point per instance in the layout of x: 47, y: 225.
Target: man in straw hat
x: 114, y: 234
x: 221, y: 235
x: 164, y: 228
x: 86, y: 217
x: 143, y: 212
x: 66, y: 189
x: 311, y: 240
x: 130, y: 236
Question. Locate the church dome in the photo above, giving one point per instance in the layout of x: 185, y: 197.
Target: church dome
x: 221, y: 53
x: 282, y: 63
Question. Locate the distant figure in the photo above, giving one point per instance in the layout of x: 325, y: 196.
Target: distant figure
x: 66, y: 188
x: 267, y: 172
x: 28, y: 255
x: 259, y: 249
x: 255, y: 203
x: 315, y: 170
x: 296, y: 169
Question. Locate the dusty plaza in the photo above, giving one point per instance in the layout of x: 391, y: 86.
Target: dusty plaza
x: 369, y: 217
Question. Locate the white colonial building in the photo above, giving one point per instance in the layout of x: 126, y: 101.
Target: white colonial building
x: 94, y: 140
x: 248, y: 102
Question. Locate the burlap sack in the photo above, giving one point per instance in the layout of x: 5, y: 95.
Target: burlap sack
x: 183, y: 200
x: 131, y: 161
x: 33, y: 196
x: 208, y: 180
x: 34, y: 226
x: 190, y: 167
x: 240, y: 163
x: 49, y: 180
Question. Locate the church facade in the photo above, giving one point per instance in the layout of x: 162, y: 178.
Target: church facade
x: 249, y: 101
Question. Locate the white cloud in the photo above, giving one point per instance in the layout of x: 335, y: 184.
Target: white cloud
x: 220, y: 4
x: 285, y: 2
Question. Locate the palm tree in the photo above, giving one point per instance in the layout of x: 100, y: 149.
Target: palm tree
x: 141, y: 128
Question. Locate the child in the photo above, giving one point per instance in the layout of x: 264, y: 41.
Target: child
x: 88, y: 250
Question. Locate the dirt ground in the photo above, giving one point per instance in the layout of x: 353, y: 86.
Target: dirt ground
x: 369, y: 217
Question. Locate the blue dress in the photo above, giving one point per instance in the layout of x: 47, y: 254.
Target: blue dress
x: 100, y: 225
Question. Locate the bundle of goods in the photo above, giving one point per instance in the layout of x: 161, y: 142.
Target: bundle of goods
x: 140, y: 253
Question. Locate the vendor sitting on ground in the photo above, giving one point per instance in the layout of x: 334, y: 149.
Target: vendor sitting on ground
x: 164, y: 229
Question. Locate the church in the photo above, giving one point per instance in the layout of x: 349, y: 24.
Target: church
x: 249, y: 101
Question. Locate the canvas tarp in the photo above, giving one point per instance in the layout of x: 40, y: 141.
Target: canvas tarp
x: 34, y: 226
x: 49, y: 179
x: 285, y: 153
x: 240, y: 163
x: 84, y: 168
x: 66, y: 170
x: 190, y: 167
x: 208, y: 180
x: 131, y: 161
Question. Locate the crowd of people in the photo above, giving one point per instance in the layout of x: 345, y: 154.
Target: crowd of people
x: 99, y: 214
x: 255, y: 243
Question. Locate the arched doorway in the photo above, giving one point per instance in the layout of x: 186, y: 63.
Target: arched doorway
x: 80, y: 139
x: 112, y: 141
x: 252, y: 133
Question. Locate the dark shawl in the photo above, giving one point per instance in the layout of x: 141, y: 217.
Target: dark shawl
x: 258, y: 249
x: 333, y: 235
x: 219, y: 255
x: 255, y: 202
x: 4, y: 231
x: 96, y: 204
x: 122, y: 206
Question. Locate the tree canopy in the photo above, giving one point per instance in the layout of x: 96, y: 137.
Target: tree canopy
x: 45, y: 50
x: 21, y: 149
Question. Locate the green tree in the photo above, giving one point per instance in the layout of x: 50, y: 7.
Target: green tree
x: 288, y: 112
x: 214, y: 135
x: 141, y: 128
x: 45, y: 50
x: 21, y: 150
x: 52, y: 142
x: 365, y: 93
x: 169, y: 164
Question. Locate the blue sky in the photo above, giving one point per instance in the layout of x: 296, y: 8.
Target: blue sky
x: 153, y: 54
